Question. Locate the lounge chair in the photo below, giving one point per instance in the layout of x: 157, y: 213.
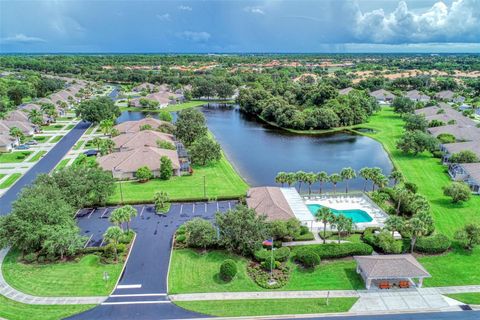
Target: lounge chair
x: 404, y: 284
x: 384, y: 285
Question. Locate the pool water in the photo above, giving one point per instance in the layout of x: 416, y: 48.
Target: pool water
x: 357, y: 215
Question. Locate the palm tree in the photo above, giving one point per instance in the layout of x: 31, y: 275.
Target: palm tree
x: 417, y: 228
x: 322, y: 177
x: 113, y: 235
x: 365, y: 173
x: 17, y: 134
x: 402, y: 195
x: 396, y: 176
x: 335, y: 178
x: 310, y: 179
x: 106, y: 146
x: 290, y: 178
x: 281, y: 178
x: 347, y: 174
x: 380, y: 180
x: 106, y: 126
x: 344, y: 224
x: 129, y: 213
x: 325, y: 216
x: 35, y: 117
x: 300, y: 177
x: 375, y: 176
x: 97, y: 142
x: 394, y: 223
x: 117, y: 217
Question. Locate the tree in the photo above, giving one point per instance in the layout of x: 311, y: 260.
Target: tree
x: 396, y: 176
x: 403, y: 105
x: 166, y: 168
x: 290, y: 178
x: 365, y: 173
x: 106, y: 146
x: 415, y: 122
x: 160, y: 198
x: 241, y: 230
x: 129, y: 212
x: 35, y: 117
x: 165, y: 116
x: 347, y: 174
x: 281, y: 178
x: 310, y: 179
x: 97, y: 142
x: 394, y: 223
x: 224, y: 90
x: 190, y: 126
x: 63, y: 242
x: 17, y: 134
x: 106, y: 125
x: 322, y: 177
x: 465, y: 156
x: 468, y: 236
x: 144, y: 174
x: 118, y: 217
x: 417, y: 227
x: 200, y: 233
x: 403, y: 195
x: 300, y: 178
x: 97, y: 109
x: 325, y: 215
x: 204, y: 150
x: 343, y: 224
x: 416, y: 142
x: 113, y: 235
x: 380, y: 180
x: 17, y: 92
x: 334, y: 179
x: 458, y: 191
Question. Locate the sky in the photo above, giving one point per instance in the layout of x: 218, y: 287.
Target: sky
x: 231, y: 26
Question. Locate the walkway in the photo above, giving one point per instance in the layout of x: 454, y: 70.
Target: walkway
x: 45, y: 165
x: 13, y: 294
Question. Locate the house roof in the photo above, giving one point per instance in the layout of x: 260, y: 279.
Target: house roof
x: 445, y: 94
x: 144, y: 86
x: 391, y: 266
x: 345, y: 91
x: 17, y: 115
x: 472, y: 169
x: 134, y: 126
x: 130, y: 160
x: 269, y: 201
x: 473, y: 146
x: 26, y: 127
x: 416, y: 95
x: 445, y: 113
x: 144, y: 138
x: 382, y: 94
x: 461, y: 132
x: 6, y: 139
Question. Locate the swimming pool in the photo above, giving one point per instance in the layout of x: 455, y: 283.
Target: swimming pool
x: 357, y: 215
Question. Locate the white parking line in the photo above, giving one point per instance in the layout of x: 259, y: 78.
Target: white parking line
x: 134, y: 302
x: 104, y: 212
x: 218, y: 209
x: 129, y: 286
x: 101, y: 243
x: 91, y: 214
x: 229, y: 206
x: 76, y: 213
x: 139, y: 295
x: 193, y: 210
x: 181, y: 208
x: 205, y: 207
x: 86, y: 243
x: 141, y: 212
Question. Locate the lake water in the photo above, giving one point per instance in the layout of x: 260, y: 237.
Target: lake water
x: 259, y: 151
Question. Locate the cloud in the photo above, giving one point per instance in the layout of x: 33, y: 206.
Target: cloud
x: 254, y: 10
x: 440, y: 23
x: 163, y: 17
x: 65, y: 25
x: 185, y: 8
x: 201, y: 36
x: 21, y: 38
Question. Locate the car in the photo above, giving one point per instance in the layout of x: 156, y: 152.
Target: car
x: 22, y: 147
x: 31, y: 142
x: 90, y: 153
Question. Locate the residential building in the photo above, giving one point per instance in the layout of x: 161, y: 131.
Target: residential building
x: 269, y: 201
x: 345, y: 91
x: 468, y: 173
x: 383, y: 96
x: 135, y: 126
x: 417, y: 96
x: 449, y: 96
x: 7, y: 143
x: 445, y: 113
x: 144, y: 138
x: 460, y: 132
x: 148, y: 87
x: 451, y: 148
x: 27, y: 128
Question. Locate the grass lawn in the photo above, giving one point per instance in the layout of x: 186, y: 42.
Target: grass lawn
x: 64, y: 118
x: 468, y: 298
x: 90, y: 130
x: 192, y: 272
x: 10, y: 180
x: 221, y: 180
x: 53, y: 127
x: 14, y: 157
x: 41, y: 138
x: 13, y: 310
x: 83, y: 278
x: 78, y: 145
x: 426, y: 172
x: 454, y: 268
x: 56, y: 139
x: 70, y: 127
x: 37, y: 156
x: 263, y: 307
x: 2, y: 175
x: 62, y: 164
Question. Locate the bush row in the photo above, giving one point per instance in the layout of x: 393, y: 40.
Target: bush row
x: 280, y: 254
x: 337, y: 250
x: 437, y: 243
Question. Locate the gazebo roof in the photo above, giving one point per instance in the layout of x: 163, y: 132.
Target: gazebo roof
x: 391, y: 266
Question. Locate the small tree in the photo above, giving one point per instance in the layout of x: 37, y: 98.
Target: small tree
x: 17, y: 133
x: 281, y: 178
x: 334, y: 179
x: 458, y: 191
x: 465, y: 156
x: 417, y: 227
x: 166, y: 168
x: 300, y: 178
x: 322, y: 177
x: 129, y: 213
x: 144, y: 174
x: 347, y: 174
x: 394, y: 223
x: 324, y: 215
x: 344, y: 225
x: 366, y: 174
x: 310, y: 179
x: 165, y: 116
x: 160, y: 198
x: 204, y: 150
x: 228, y: 270
x: 113, y: 235
x: 200, y: 233
x: 468, y: 236
x: 396, y: 176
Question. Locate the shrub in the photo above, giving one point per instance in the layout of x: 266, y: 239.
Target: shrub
x: 41, y: 259
x: 181, y: 238
x: 30, y: 258
x: 305, y: 237
x: 458, y: 191
x: 308, y: 258
x: 339, y: 250
x: 387, y: 243
x: 437, y: 243
x: 262, y: 277
x: 446, y: 138
x: 144, y: 174
x: 268, y: 265
x: 280, y: 254
x: 228, y: 270
x: 21, y: 157
x: 182, y: 229
x: 304, y: 230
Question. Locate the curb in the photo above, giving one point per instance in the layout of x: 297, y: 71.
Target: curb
x: 125, y: 263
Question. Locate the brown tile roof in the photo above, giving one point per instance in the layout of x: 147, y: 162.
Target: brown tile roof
x: 269, y: 201
x: 382, y: 94
x: 473, y: 170
x: 432, y: 113
x: 345, y: 91
x: 134, y: 126
x: 144, y: 138
x: 391, y: 266
x: 17, y: 115
x: 461, y: 132
x: 131, y: 160
x: 473, y: 146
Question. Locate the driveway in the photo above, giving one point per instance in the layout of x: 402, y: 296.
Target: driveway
x: 142, y: 290
x: 45, y: 165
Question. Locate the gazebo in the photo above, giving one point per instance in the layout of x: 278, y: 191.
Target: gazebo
x: 386, y: 271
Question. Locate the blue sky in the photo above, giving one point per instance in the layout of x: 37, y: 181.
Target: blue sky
x: 240, y: 26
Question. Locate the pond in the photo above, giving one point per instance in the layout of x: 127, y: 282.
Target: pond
x: 259, y: 151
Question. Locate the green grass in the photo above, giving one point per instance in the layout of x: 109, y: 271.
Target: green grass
x: 56, y: 139
x: 468, y: 298
x: 54, y: 127
x: 70, y: 127
x: 37, y: 156
x: 10, y: 180
x: 13, y: 310
x: 82, y: 278
x: 426, y: 172
x: 62, y: 164
x: 454, y: 268
x: 2, y: 175
x: 78, y: 145
x: 41, y: 138
x: 14, y: 157
x: 221, y: 180
x: 192, y: 272
x: 90, y: 130
x: 263, y: 307
x: 64, y: 118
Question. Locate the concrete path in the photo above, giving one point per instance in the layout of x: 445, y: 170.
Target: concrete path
x: 13, y: 294
x: 264, y: 295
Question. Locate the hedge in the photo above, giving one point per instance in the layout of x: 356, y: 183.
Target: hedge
x: 280, y: 254
x: 437, y: 243
x: 305, y: 237
x: 228, y: 270
x: 336, y: 250
x: 308, y: 258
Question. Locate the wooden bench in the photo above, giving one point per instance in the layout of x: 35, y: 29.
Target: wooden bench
x: 384, y: 285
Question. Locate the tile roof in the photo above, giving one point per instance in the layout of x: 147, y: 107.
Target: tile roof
x: 134, y: 126
x: 391, y: 266
x: 269, y: 201
x: 144, y: 138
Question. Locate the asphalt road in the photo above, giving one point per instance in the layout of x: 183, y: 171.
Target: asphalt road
x: 45, y: 165
x: 142, y: 290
